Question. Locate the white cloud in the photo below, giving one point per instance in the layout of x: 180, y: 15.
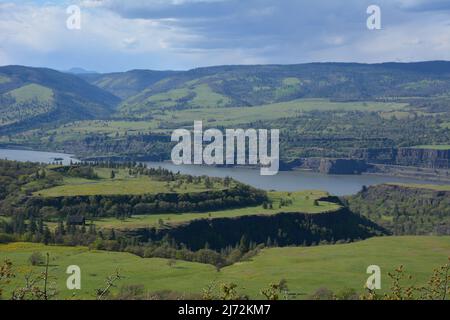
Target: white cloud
x: 118, y: 34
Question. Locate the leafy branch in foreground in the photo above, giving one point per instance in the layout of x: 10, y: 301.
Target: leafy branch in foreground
x: 274, y: 290
x: 36, y: 287
x: 6, y: 274
x: 437, y: 288
x: 438, y: 285
x: 223, y: 291
x: 110, y: 283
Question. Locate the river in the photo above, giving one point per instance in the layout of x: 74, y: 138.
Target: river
x: 283, y: 181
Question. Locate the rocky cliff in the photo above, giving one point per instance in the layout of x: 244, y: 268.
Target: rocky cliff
x: 416, y: 157
x: 284, y: 229
x: 328, y: 165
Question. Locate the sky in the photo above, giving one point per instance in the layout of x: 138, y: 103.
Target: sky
x: 119, y: 35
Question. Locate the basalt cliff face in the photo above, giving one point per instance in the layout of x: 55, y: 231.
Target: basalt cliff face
x: 408, y: 162
x: 415, y: 157
x: 329, y: 166
x: 283, y: 229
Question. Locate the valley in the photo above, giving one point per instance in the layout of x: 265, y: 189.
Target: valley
x: 364, y: 178
x: 325, y: 111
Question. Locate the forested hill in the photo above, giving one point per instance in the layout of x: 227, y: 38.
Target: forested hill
x: 126, y: 84
x: 252, y: 85
x: 32, y: 97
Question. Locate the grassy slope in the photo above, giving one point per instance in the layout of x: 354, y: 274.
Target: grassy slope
x: 239, y: 115
x: 305, y: 269
x: 32, y: 92
x: 302, y: 202
x: 121, y: 184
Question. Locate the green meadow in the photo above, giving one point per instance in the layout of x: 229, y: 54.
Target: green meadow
x: 121, y: 184
x: 242, y: 115
x: 305, y: 269
x: 31, y: 92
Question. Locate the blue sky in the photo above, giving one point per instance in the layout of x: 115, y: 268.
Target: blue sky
x: 119, y: 35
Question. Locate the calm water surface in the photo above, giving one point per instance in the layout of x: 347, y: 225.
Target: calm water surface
x: 284, y: 181
x: 292, y: 180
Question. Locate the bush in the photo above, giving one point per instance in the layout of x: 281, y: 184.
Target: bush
x: 131, y: 292
x: 322, y: 294
x: 36, y: 259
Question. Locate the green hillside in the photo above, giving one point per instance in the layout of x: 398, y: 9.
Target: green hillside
x: 32, y: 92
x: 126, y: 84
x: 322, y: 109
x: 36, y: 97
x: 239, y: 86
x: 25, y: 103
x: 305, y: 269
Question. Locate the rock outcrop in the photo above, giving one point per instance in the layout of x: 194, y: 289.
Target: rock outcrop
x: 415, y: 157
x: 284, y: 229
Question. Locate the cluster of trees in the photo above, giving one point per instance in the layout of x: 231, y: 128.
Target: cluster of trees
x: 84, y: 170
x: 404, y: 210
x: 18, y: 180
x: 31, y: 229
x: 36, y: 230
x: 335, y: 134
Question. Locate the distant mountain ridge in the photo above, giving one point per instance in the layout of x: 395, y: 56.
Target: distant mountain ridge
x: 30, y: 97
x: 126, y: 84
x: 77, y: 70
x: 225, y: 86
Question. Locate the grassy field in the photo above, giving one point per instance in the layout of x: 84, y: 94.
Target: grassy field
x: 196, y: 96
x: 107, y: 127
x: 32, y: 92
x: 304, y: 268
x: 211, y: 116
x: 241, y: 115
x: 301, y: 202
x: 123, y: 183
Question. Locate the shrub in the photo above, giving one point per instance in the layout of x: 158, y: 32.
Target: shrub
x: 36, y: 259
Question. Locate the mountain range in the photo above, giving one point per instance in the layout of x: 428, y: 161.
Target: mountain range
x: 35, y: 97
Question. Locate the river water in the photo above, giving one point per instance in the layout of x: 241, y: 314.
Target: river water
x: 283, y: 181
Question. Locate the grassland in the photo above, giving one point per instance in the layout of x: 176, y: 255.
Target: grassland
x: 242, y: 115
x: 200, y: 95
x: 162, y: 117
x: 304, y: 268
x: 295, y: 202
x: 122, y: 183
x: 32, y: 92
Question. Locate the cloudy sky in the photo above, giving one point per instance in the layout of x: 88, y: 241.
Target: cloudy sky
x: 119, y: 35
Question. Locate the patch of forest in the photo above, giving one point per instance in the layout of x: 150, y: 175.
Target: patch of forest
x: 405, y: 210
